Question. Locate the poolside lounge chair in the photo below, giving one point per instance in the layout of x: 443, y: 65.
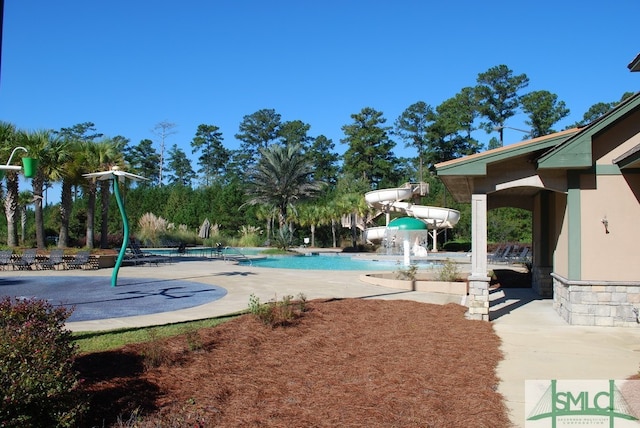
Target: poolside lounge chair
x: 522, y: 257
x: 5, y: 259
x: 137, y: 256
x: 80, y: 260
x: 500, y: 254
x: 27, y: 260
x: 56, y: 258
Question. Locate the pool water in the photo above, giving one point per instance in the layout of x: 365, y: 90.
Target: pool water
x: 329, y: 262
x: 205, y: 251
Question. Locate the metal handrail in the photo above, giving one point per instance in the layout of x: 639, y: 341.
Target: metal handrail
x: 238, y: 252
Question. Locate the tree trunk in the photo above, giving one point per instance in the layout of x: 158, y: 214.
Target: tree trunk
x: 23, y: 223
x: 65, y: 214
x: 313, y: 235
x: 91, y: 213
x: 38, y: 184
x: 104, y: 227
x: 333, y: 232
x: 11, y: 208
x: 354, y: 235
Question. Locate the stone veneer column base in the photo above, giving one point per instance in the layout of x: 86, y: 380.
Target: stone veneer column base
x: 541, y: 281
x: 478, y: 298
x: 597, y: 303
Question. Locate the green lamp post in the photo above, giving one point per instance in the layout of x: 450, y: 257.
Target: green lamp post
x: 116, y: 175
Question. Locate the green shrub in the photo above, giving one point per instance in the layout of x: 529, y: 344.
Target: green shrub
x: 449, y: 271
x: 250, y: 236
x: 278, y: 313
x: 454, y: 246
x: 38, y: 386
x: 154, y: 231
x: 283, y: 239
x: 407, y: 272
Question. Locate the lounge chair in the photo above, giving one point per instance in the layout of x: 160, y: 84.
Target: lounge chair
x: 138, y: 256
x: 500, y: 254
x: 27, y: 260
x: 56, y: 258
x: 79, y: 261
x: 522, y: 257
x: 5, y: 259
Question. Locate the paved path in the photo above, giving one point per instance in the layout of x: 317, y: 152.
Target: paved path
x: 536, y: 342
x: 539, y: 345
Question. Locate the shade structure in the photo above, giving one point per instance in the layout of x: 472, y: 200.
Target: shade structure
x: 407, y: 223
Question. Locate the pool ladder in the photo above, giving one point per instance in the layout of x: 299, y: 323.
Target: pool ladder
x: 237, y: 256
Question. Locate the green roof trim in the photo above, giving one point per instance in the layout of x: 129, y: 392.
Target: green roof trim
x: 477, y: 164
x: 575, y: 152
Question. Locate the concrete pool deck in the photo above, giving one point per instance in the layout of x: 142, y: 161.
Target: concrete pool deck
x: 536, y: 342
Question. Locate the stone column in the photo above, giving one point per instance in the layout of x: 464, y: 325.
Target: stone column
x: 478, y: 298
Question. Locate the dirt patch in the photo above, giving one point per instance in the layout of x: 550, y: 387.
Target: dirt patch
x: 348, y: 363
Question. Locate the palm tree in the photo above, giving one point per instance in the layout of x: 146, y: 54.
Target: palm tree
x: 282, y: 177
x: 331, y: 214
x: 353, y: 205
x: 7, y: 143
x: 71, y: 174
x: 97, y: 157
x: 51, y: 152
x: 349, y: 201
x: 11, y: 207
x: 24, y: 200
x: 311, y: 215
x: 111, y: 155
x: 268, y: 214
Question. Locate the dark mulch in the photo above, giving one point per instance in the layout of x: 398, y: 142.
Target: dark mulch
x: 347, y: 363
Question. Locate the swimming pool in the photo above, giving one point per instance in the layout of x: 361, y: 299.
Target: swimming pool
x: 205, y: 251
x: 331, y: 261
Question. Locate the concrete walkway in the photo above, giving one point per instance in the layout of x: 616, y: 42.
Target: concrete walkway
x: 536, y: 342
x: 539, y: 345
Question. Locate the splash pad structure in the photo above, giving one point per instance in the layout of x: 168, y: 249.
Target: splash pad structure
x: 412, y: 230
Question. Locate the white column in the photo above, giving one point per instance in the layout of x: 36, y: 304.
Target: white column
x: 479, y: 235
x: 435, y: 240
x: 406, y: 246
x: 478, y: 298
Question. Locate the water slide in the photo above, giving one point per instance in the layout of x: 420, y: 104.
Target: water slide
x: 395, y: 200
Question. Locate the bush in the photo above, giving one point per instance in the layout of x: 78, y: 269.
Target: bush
x: 250, y: 236
x: 38, y: 385
x: 407, y: 272
x: 454, y: 246
x: 283, y: 239
x: 275, y: 313
x: 449, y: 272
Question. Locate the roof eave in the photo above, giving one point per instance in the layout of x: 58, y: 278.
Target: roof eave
x: 476, y: 164
x: 635, y: 64
x: 575, y: 152
x: 629, y: 159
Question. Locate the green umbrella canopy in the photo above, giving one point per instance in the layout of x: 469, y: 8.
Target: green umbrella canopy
x: 407, y: 223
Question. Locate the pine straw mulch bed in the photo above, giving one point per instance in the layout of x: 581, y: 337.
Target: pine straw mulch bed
x: 347, y: 363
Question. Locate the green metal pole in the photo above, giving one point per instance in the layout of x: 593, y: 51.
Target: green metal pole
x: 125, y: 237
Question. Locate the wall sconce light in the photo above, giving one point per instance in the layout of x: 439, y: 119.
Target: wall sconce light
x: 605, y: 222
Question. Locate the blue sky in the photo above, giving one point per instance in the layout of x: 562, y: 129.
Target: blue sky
x: 128, y: 65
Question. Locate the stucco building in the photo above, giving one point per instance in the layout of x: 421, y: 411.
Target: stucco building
x: 583, y: 189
